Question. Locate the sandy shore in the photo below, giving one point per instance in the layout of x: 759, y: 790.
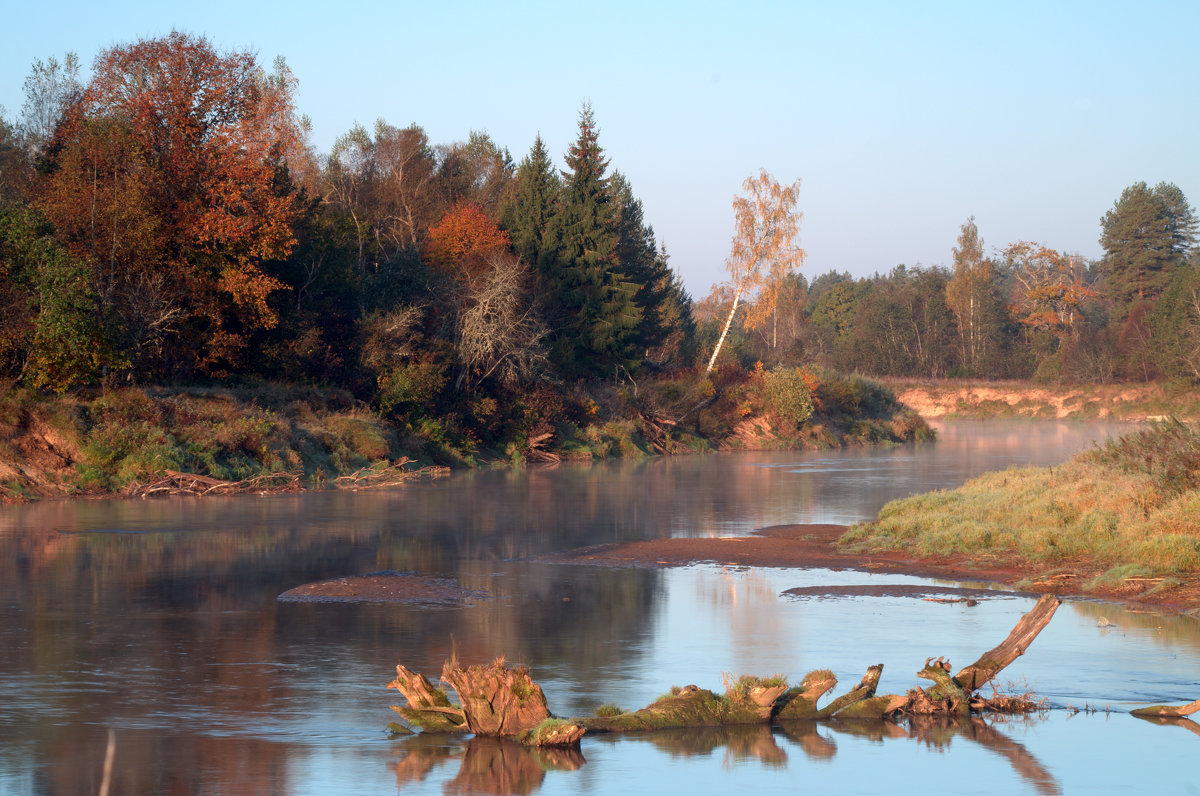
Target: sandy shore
x: 816, y: 546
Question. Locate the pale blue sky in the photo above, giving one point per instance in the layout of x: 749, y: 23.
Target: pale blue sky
x: 901, y: 119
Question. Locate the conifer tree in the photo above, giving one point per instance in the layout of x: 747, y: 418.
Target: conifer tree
x: 595, y: 304
x: 530, y: 217
x: 663, y: 330
x: 1146, y: 236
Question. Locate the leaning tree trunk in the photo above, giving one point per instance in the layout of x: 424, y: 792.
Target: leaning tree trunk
x: 991, y: 662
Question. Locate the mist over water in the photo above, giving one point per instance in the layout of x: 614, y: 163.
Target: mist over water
x: 158, y: 619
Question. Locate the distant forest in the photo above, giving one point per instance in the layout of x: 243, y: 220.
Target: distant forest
x: 1024, y: 311
x: 168, y: 222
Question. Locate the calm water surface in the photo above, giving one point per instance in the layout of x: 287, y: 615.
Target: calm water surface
x: 158, y: 620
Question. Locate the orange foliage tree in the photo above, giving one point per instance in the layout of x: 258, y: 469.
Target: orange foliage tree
x: 462, y: 242
x: 764, y: 251
x: 168, y: 178
x: 1051, y: 287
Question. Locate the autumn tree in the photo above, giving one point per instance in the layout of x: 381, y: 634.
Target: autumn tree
x: 167, y: 178
x: 1146, y: 235
x: 764, y: 248
x: 463, y: 242
x: 973, y: 295
x: 1051, y: 287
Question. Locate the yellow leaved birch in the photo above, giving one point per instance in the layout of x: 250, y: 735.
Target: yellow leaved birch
x: 764, y: 248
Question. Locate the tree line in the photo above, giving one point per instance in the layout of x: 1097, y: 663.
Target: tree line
x: 1024, y: 311
x: 168, y: 221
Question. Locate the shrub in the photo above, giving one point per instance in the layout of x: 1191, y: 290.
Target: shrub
x: 785, y: 393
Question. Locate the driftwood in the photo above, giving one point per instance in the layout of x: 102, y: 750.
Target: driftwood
x: 991, y: 662
x: 494, y: 701
x: 497, y: 701
x: 173, y: 482
x: 1167, y: 711
x: 386, y: 475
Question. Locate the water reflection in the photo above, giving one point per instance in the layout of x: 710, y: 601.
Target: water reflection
x: 485, y: 765
x: 159, y: 619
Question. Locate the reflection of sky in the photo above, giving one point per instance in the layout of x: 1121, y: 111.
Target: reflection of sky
x: 202, y: 657
x: 712, y: 619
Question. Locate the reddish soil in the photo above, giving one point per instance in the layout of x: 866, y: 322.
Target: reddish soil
x: 804, y: 546
x: 383, y: 587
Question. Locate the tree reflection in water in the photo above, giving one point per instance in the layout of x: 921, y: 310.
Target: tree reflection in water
x: 489, y: 765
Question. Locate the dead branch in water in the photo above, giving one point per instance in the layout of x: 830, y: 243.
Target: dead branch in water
x: 173, y: 482
x: 1167, y: 711
x: 498, y: 701
x: 374, y: 477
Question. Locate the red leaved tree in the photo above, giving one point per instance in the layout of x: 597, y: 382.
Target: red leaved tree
x: 462, y: 242
x: 168, y: 178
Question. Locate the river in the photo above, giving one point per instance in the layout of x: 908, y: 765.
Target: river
x: 158, y: 621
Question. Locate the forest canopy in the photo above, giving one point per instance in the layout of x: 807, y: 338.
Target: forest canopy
x: 168, y: 221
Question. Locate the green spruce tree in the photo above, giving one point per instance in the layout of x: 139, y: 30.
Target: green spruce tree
x: 530, y: 217
x: 666, y: 330
x: 595, y: 316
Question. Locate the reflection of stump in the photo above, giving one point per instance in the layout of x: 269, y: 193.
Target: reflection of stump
x: 497, y: 700
x: 494, y: 766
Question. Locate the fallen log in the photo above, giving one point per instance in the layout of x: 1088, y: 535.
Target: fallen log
x: 1167, y: 711
x: 497, y: 701
x: 990, y: 663
x: 750, y: 701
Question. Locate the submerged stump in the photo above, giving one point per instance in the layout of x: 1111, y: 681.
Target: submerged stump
x: 497, y: 700
x: 502, y: 702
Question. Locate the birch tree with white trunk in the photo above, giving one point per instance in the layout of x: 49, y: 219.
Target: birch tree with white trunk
x: 764, y: 249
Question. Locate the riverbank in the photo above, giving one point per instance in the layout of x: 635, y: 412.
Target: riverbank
x: 822, y: 546
x: 274, y: 437
x: 955, y: 398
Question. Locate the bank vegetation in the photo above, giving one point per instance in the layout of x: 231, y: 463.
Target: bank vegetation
x: 1122, y: 518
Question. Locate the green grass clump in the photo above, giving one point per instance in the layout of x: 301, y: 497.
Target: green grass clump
x: 1131, y: 505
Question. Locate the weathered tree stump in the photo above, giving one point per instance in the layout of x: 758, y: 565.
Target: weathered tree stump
x: 497, y: 700
x: 428, y: 708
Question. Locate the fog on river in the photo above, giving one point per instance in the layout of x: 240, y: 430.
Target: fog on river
x: 158, y: 620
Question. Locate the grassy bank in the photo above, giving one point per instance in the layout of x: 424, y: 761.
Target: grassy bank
x: 959, y: 398
x: 120, y: 440
x: 1126, y: 515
